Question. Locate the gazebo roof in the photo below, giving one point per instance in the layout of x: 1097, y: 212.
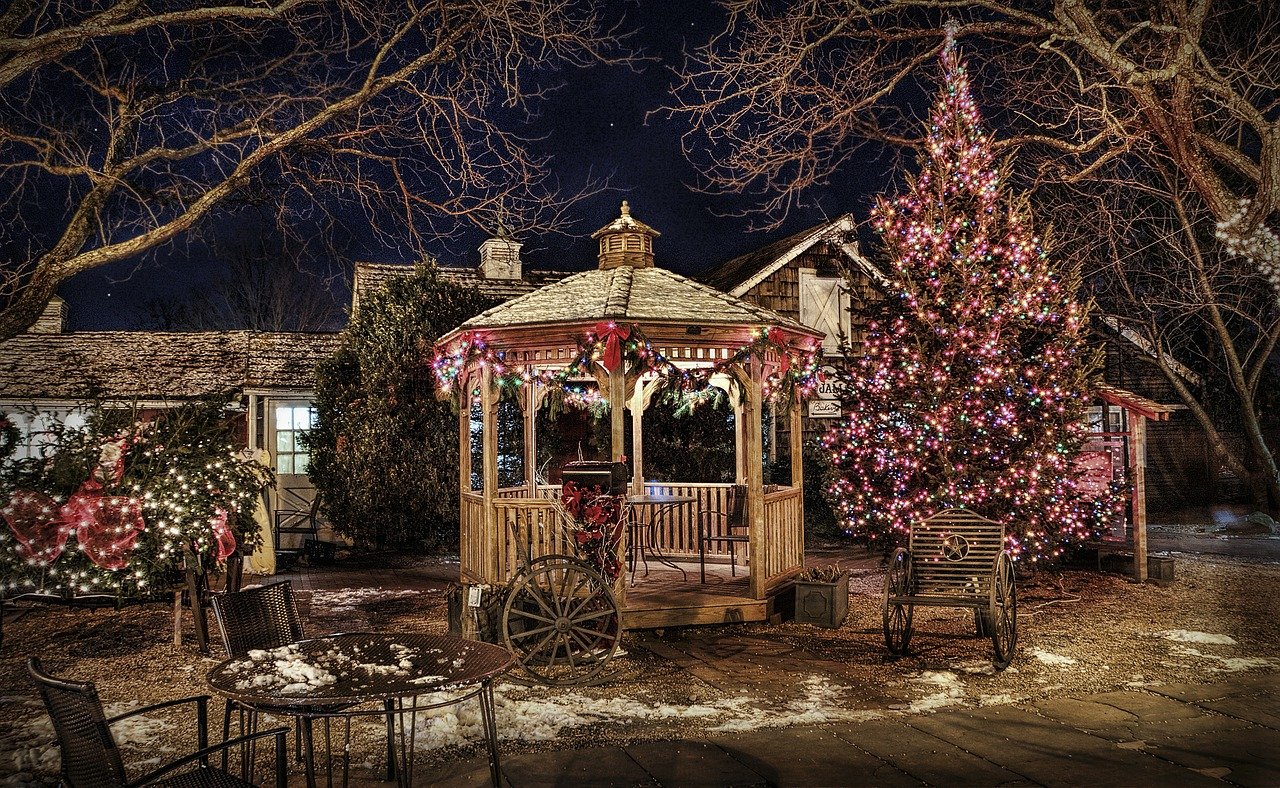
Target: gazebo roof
x: 631, y: 294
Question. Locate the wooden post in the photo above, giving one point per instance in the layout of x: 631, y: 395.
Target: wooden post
x: 753, y: 434
x: 739, y: 437
x: 464, y: 439
x: 637, y: 439
x: 1138, y: 478
x: 618, y: 413
x: 489, y: 475
x: 531, y: 438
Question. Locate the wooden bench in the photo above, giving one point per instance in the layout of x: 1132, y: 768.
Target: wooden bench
x: 954, y: 559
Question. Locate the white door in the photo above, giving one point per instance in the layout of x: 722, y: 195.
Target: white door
x: 288, y: 420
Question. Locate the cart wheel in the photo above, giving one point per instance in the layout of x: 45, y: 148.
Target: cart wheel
x: 561, y: 621
x: 897, y: 616
x: 1003, y: 615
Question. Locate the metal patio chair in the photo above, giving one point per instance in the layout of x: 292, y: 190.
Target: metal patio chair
x: 91, y: 758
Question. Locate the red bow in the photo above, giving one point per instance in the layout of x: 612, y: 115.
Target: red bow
x: 612, y: 334
x: 34, y: 519
x: 107, y: 526
x: 226, y: 541
x: 777, y: 338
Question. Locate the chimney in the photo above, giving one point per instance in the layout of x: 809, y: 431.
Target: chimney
x: 53, y: 320
x: 500, y: 256
x: 626, y: 241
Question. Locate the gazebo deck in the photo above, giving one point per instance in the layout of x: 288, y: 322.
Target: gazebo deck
x: 666, y: 599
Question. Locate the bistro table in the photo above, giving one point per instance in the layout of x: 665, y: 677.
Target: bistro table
x: 660, y: 505
x: 374, y: 675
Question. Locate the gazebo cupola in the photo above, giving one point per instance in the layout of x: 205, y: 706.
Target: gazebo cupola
x: 626, y: 241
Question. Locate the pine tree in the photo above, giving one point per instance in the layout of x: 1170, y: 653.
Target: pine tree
x: 972, y: 390
x: 384, y: 451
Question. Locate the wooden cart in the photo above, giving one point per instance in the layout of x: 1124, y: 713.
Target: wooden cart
x: 954, y: 559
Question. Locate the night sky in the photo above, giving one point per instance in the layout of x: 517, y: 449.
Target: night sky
x: 594, y: 126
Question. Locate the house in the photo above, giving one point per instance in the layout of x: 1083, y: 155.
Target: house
x: 48, y: 374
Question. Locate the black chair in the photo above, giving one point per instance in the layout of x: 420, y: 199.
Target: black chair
x: 264, y: 617
x: 90, y: 757
x: 732, y: 529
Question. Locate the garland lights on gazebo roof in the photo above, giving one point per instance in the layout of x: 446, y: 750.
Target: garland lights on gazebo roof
x: 621, y: 315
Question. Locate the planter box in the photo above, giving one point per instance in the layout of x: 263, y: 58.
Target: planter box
x: 825, y: 604
x: 1160, y: 569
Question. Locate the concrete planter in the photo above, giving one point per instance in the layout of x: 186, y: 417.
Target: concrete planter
x: 822, y: 603
x: 1160, y: 569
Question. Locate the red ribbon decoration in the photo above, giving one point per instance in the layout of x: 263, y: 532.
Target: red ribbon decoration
x: 36, y: 523
x: 106, y: 526
x: 612, y: 334
x: 226, y: 541
x: 779, y: 339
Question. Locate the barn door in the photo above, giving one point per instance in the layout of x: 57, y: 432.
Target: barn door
x: 824, y: 305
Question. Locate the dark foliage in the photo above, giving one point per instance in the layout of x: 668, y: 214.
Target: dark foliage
x: 384, y: 452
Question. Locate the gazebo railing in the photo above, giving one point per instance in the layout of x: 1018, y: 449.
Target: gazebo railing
x: 494, y: 555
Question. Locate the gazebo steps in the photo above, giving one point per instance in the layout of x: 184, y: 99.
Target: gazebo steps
x: 665, y: 598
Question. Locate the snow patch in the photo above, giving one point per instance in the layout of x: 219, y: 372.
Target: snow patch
x: 524, y: 714
x: 949, y: 688
x: 1052, y: 659
x: 1228, y: 664
x: 345, y: 598
x: 1189, y: 636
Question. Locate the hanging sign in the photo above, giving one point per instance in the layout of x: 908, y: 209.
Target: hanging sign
x: 825, y: 403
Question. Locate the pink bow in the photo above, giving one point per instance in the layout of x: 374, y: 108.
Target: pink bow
x: 37, y: 525
x: 106, y: 526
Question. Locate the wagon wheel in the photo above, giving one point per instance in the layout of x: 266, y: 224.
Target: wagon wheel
x: 1004, y: 611
x: 897, y: 616
x: 560, y: 620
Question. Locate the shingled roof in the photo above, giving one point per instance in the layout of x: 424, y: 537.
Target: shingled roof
x: 740, y: 274
x: 156, y: 365
x: 627, y: 293
x: 372, y: 276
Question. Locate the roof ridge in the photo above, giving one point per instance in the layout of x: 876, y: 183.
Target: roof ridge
x: 618, y: 296
x: 754, y: 309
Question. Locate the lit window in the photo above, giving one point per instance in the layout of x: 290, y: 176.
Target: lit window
x: 292, y: 422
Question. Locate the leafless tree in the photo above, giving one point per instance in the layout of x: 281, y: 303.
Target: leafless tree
x: 1165, y: 108
x: 263, y: 288
x: 127, y: 124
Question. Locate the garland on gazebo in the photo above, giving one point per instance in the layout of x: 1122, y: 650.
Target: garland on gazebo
x: 614, y: 344
x: 116, y: 507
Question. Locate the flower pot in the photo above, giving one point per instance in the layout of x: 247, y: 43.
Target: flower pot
x: 822, y: 603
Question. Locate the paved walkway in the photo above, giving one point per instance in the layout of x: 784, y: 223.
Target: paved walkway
x: 1175, y: 735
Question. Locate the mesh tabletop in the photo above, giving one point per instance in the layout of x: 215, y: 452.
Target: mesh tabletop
x: 357, y: 667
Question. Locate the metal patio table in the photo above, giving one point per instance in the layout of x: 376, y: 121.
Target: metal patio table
x: 660, y: 506
x: 381, y: 675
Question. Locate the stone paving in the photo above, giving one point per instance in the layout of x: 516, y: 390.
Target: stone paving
x: 1226, y: 733
x: 1175, y: 735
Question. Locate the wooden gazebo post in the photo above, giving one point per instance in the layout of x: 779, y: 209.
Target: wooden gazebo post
x: 1138, y: 477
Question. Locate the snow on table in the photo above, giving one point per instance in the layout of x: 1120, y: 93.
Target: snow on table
x: 289, y: 671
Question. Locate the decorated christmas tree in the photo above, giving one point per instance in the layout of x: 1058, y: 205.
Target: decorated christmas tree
x: 972, y: 389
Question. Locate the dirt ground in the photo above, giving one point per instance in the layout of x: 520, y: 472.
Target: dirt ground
x: 1079, y: 632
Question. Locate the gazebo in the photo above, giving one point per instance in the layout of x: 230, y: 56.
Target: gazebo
x: 634, y: 329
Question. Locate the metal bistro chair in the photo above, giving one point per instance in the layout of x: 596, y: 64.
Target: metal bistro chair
x: 266, y: 617
x: 90, y: 757
x: 733, y: 530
